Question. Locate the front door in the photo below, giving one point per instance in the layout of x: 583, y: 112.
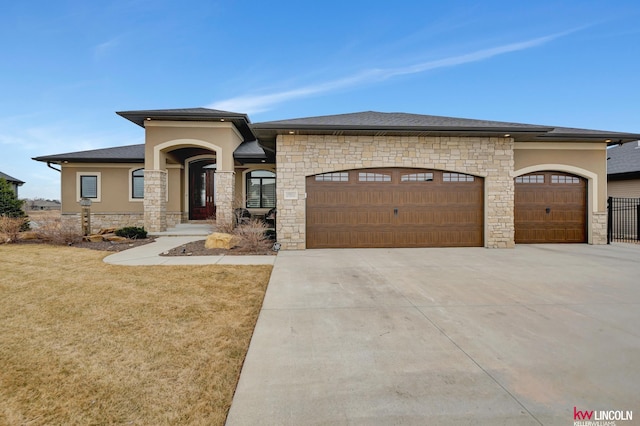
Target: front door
x: 201, y: 191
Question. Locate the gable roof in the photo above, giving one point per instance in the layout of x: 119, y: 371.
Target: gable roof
x: 11, y: 179
x: 241, y: 121
x: 388, y: 123
x: 623, y: 159
x: 119, y: 154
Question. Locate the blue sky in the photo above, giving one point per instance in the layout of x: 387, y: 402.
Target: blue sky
x: 67, y: 66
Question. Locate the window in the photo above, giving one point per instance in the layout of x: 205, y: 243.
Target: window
x: 333, y: 177
x: 417, y: 177
x: 137, y: 184
x: 530, y: 179
x: 261, y: 189
x: 564, y: 179
x: 457, y: 177
x: 373, y: 177
x: 88, y: 186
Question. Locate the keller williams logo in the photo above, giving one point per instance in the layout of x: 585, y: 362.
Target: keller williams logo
x: 600, y: 417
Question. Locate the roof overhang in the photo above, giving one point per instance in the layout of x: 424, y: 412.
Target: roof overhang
x: 240, y: 121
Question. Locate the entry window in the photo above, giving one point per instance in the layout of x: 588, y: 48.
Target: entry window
x: 333, y: 177
x: 457, y: 177
x: 88, y: 186
x: 137, y: 183
x: 564, y: 179
x: 417, y: 177
x: 530, y: 179
x: 261, y: 189
x: 373, y: 177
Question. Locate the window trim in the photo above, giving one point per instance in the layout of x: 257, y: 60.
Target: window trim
x: 98, y: 176
x: 131, y: 197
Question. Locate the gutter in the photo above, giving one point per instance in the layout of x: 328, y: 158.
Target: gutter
x: 51, y: 167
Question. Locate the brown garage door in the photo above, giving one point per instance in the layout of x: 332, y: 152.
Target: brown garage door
x: 394, y: 207
x: 550, y: 207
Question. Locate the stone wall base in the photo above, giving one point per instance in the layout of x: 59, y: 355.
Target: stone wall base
x: 99, y: 221
x: 599, y: 228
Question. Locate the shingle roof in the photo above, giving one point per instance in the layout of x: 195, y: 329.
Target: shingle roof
x: 10, y: 179
x: 390, y: 120
x: 402, y: 123
x: 119, y: 154
x: 624, y: 158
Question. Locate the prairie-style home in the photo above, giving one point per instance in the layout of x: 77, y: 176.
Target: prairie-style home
x: 366, y: 179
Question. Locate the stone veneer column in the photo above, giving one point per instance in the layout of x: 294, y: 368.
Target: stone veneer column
x: 224, y: 182
x: 155, y: 200
x: 599, y: 228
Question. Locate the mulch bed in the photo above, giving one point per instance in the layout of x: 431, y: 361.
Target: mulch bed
x: 197, y: 248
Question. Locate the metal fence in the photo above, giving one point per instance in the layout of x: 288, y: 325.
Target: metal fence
x: 623, y: 219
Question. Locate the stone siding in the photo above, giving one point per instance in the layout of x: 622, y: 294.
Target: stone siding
x: 225, y: 196
x: 155, y: 200
x: 299, y: 156
x: 599, y: 228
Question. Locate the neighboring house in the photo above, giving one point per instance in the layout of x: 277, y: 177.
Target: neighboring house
x: 45, y: 205
x: 367, y: 179
x: 623, y: 170
x: 15, y: 183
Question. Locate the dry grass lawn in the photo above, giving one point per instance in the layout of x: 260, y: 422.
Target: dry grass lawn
x: 83, y: 342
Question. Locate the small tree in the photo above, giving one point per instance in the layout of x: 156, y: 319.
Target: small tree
x: 10, y: 205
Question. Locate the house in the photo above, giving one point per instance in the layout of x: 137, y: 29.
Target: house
x: 367, y: 179
x: 42, y: 205
x: 15, y: 183
x: 623, y: 170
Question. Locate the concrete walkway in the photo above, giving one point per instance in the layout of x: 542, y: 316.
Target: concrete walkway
x: 149, y: 254
x: 445, y: 337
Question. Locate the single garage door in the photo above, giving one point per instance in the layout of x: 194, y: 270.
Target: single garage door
x: 550, y: 207
x: 394, y: 207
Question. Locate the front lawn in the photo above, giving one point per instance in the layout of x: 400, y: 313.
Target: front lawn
x: 83, y: 342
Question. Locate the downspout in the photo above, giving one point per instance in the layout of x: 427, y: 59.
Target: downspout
x: 51, y: 167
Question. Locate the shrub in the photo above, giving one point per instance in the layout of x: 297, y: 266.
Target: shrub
x: 52, y: 230
x: 11, y: 206
x: 132, y: 232
x: 10, y: 228
x: 252, y: 236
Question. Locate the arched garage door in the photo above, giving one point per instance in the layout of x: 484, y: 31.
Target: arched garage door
x: 394, y: 207
x: 550, y: 207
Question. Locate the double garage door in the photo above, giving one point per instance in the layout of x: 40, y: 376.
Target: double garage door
x: 397, y: 207
x: 394, y: 207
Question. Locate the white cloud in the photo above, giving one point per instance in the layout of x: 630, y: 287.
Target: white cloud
x: 251, y: 104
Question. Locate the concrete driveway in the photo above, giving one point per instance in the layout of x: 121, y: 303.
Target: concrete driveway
x: 445, y: 336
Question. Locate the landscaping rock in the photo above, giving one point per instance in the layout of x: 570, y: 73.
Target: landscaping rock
x: 93, y: 238
x: 105, y: 231
x: 114, y: 238
x: 220, y: 240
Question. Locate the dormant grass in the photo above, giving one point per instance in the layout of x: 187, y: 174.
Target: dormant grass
x: 83, y: 342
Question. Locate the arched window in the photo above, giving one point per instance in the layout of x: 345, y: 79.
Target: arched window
x: 137, y: 183
x: 261, y: 189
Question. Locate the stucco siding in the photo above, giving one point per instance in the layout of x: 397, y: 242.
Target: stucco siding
x: 114, y: 187
x: 624, y: 188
